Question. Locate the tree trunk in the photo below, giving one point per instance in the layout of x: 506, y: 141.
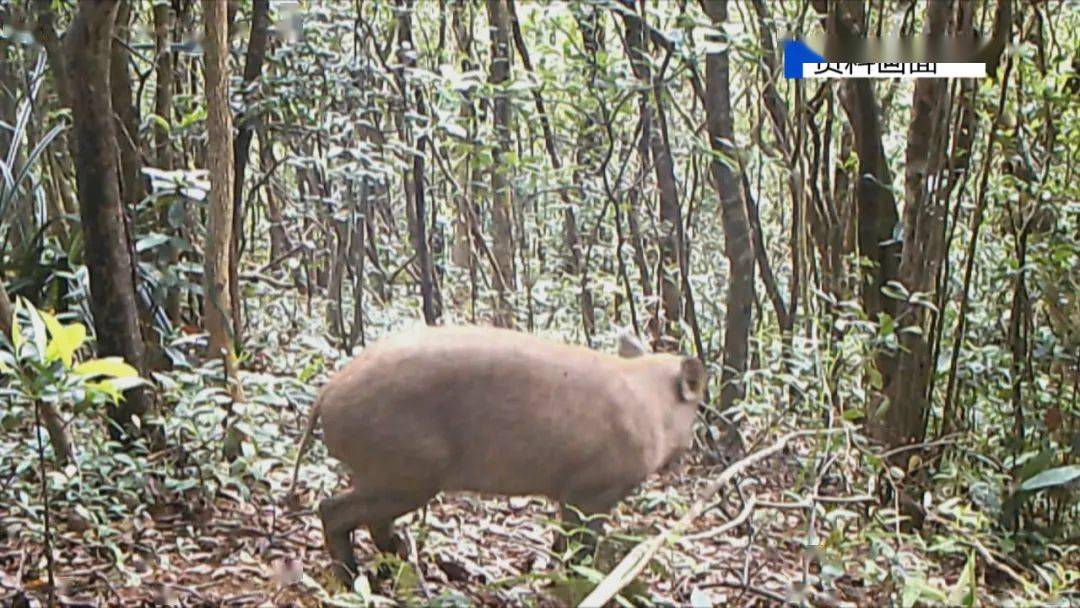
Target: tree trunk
x: 637, y: 239
x: 406, y: 58
x: 777, y: 110
x: 163, y: 151
x: 423, y: 251
x: 280, y: 243
x: 738, y: 247
x: 875, y: 206
x: 132, y: 187
x: 414, y: 180
x: 57, y: 159
x: 253, y: 67
x: 45, y: 34
x: 654, y: 133
x: 220, y: 162
x: 876, y: 212
x: 7, y: 311
x: 358, y: 253
x: 904, y: 421
x: 109, y: 260
x: 462, y: 253
x: 503, y: 246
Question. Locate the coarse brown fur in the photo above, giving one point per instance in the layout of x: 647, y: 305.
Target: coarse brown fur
x: 497, y: 412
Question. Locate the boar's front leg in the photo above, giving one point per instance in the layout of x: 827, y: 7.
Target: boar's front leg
x: 344, y: 513
x: 572, y: 521
x: 589, y: 504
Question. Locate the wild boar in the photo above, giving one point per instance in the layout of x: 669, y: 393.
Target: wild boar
x: 495, y: 411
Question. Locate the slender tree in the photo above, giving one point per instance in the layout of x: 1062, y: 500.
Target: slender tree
x: 164, y: 156
x: 461, y: 252
x: 97, y: 170
x: 655, y: 135
x: 875, y: 203
x: 415, y: 178
x: 253, y: 68
x: 501, y: 206
x: 727, y: 179
x: 7, y: 311
x: 132, y: 189
x: 220, y: 162
x: 925, y: 180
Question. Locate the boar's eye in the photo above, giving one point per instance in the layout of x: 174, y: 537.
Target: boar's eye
x: 692, y: 378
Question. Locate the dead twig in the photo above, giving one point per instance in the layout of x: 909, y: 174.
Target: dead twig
x: 758, y: 591
x: 732, y: 523
x: 993, y: 562
x: 635, y: 561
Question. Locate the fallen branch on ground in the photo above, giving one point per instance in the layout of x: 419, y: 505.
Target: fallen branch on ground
x: 635, y: 561
x: 988, y: 557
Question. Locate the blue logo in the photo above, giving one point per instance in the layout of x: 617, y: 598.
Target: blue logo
x: 796, y: 53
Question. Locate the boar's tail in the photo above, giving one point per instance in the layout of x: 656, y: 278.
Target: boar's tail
x: 305, y: 441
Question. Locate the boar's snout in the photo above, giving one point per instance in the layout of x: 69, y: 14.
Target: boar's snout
x: 692, y: 378
x: 673, y: 461
x: 680, y: 407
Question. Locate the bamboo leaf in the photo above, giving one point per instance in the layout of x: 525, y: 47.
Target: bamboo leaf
x: 1052, y: 478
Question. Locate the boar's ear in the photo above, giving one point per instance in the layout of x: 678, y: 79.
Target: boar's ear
x: 630, y: 346
x: 692, y: 379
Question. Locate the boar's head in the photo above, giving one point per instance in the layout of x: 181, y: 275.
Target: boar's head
x: 673, y: 384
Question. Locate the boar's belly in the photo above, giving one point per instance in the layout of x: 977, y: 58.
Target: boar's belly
x: 545, y: 457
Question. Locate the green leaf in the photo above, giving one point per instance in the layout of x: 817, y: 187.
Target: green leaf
x: 38, y: 326
x: 123, y: 384
x: 1036, y: 464
x: 876, y: 380
x: 66, y: 339
x: 160, y: 123
x: 362, y: 587
x: 853, y: 415
x: 151, y: 241
x: 112, y: 367
x: 16, y: 336
x: 455, y: 130
x: 106, y: 388
x: 895, y: 290
x: 964, y: 593
x: 51, y: 323
x: 1052, y: 478
x: 888, y: 324
x: 193, y: 117
x: 39, y: 149
x: 917, y: 589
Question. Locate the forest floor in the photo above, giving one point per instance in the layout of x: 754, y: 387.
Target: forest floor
x: 185, y: 527
x: 470, y: 550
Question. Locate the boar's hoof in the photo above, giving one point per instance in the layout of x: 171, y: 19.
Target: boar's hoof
x: 388, y: 541
x: 345, y: 571
x: 561, y: 541
x: 587, y: 534
x: 337, y: 532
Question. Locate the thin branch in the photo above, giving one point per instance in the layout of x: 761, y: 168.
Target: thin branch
x: 638, y: 558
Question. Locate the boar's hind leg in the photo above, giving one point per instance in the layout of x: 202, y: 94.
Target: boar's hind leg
x: 382, y: 534
x: 340, y: 516
x: 344, y: 513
